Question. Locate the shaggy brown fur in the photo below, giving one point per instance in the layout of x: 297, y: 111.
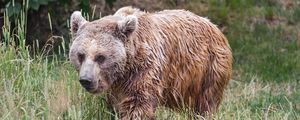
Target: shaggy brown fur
x: 172, y: 58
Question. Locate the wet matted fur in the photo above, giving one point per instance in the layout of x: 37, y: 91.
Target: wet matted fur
x: 142, y: 60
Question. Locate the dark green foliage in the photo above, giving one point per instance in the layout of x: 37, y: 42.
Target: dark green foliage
x: 110, y: 3
x: 85, y: 6
x: 35, y: 4
x: 264, y: 2
x: 219, y: 14
x: 13, y: 8
x: 296, y: 15
x: 269, y: 13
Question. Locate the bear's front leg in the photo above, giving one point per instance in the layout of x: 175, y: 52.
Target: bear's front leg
x: 138, y: 106
x: 137, y: 95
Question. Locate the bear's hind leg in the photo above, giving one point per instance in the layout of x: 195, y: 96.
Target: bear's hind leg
x: 213, y: 85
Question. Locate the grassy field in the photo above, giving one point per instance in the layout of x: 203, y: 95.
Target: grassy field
x: 264, y: 36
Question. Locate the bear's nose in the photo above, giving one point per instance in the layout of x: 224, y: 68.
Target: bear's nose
x: 85, y: 82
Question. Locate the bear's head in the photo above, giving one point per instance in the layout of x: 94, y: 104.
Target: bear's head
x: 99, y: 51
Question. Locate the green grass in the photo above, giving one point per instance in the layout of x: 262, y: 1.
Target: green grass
x: 264, y: 38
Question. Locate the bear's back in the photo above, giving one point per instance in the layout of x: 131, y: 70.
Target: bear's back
x: 186, y: 46
x: 191, y: 57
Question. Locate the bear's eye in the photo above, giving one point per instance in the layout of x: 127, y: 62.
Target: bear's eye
x: 100, y: 59
x: 81, y: 57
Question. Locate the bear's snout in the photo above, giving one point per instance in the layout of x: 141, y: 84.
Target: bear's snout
x: 87, y: 83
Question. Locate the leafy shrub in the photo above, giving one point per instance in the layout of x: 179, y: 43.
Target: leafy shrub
x: 15, y: 7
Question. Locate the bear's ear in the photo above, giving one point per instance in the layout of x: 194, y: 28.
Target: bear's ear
x: 128, y: 24
x: 76, y: 21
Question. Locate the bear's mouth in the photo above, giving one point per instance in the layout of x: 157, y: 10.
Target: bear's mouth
x: 98, y: 87
x: 88, y: 85
x: 90, y: 89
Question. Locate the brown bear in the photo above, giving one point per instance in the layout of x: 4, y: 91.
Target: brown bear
x: 171, y: 58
